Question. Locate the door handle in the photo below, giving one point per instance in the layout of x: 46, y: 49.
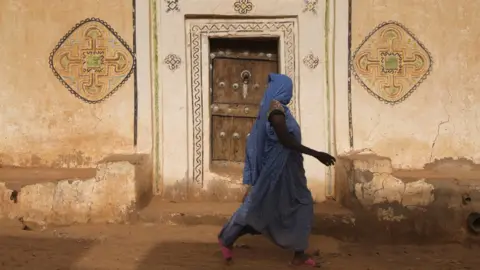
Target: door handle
x: 246, y: 75
x: 236, y: 136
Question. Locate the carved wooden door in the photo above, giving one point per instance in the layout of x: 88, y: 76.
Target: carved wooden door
x: 238, y: 84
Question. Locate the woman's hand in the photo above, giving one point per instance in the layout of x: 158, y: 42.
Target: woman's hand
x: 325, y: 158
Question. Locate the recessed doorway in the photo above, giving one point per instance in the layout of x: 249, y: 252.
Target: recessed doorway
x: 238, y: 79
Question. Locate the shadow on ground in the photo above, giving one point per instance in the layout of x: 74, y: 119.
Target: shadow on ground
x: 197, y: 256
x: 31, y: 253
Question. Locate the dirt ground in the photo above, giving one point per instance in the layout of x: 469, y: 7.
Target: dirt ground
x: 173, y: 247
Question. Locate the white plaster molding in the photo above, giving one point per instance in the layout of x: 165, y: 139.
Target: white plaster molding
x: 144, y: 86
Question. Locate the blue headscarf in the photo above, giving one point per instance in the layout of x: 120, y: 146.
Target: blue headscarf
x: 280, y: 88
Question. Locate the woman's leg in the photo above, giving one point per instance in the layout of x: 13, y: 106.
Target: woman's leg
x: 230, y: 233
x: 227, y: 237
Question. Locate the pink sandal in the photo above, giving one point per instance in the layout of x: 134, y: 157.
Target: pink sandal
x: 226, y: 252
x: 308, y: 262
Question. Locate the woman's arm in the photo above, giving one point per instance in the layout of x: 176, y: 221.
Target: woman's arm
x: 277, y: 120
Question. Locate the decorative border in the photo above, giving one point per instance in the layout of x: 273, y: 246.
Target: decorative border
x: 414, y: 87
x: 69, y: 33
x: 196, y: 32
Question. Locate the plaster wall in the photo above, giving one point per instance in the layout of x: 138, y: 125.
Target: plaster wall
x: 440, y: 118
x: 42, y: 123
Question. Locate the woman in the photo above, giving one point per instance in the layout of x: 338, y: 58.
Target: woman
x: 278, y: 205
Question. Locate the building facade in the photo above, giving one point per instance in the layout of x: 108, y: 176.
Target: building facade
x: 180, y: 81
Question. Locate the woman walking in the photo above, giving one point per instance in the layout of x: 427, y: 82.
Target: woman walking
x: 278, y: 204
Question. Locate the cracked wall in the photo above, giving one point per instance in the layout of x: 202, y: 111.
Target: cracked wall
x: 440, y: 118
x: 111, y: 196
x: 42, y: 123
x: 432, y: 202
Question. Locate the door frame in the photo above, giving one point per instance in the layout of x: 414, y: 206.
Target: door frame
x: 198, y: 70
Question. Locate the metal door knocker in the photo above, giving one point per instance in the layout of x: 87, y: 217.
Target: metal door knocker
x: 246, y: 75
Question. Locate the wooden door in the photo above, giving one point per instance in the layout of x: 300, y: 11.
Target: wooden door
x: 238, y: 85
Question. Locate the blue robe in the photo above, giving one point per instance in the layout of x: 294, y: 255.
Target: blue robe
x: 279, y: 204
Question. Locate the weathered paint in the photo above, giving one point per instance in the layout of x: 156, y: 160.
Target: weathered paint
x: 440, y: 118
x: 42, y: 123
x: 431, y: 203
x: 113, y: 195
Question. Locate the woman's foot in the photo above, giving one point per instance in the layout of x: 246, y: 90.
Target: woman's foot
x: 302, y: 259
x: 226, y: 251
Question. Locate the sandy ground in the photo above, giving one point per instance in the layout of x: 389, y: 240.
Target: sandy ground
x: 171, y: 247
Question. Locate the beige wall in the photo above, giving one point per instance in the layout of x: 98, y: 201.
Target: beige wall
x: 444, y: 110
x: 42, y: 123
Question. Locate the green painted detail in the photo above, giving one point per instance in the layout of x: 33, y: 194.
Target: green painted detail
x: 94, y: 61
x: 392, y: 62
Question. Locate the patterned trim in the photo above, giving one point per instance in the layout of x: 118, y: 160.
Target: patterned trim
x: 196, y: 32
x: 59, y: 44
x: 414, y: 87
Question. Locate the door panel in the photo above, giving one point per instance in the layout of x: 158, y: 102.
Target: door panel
x: 235, y: 110
x: 230, y: 85
x: 242, y: 126
x: 238, y: 85
x: 221, y: 133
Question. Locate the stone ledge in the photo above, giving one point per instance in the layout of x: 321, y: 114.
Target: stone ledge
x: 429, y: 205
x: 116, y: 191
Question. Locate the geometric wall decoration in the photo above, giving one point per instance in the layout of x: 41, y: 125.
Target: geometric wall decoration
x: 311, y: 61
x: 173, y: 61
x: 243, y: 6
x: 391, y: 63
x: 92, y: 61
x: 310, y: 6
x: 172, y: 5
